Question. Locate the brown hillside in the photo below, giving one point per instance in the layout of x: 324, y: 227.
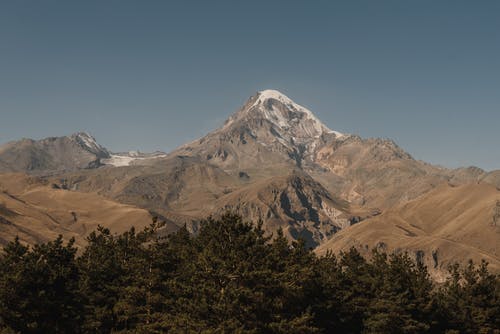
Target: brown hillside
x: 448, y: 224
x: 36, y: 212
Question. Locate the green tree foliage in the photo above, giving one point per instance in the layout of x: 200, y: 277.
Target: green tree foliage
x: 39, y: 288
x: 231, y: 277
x: 470, y: 300
x: 402, y: 301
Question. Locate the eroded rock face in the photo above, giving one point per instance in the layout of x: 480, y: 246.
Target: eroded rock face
x: 296, y: 203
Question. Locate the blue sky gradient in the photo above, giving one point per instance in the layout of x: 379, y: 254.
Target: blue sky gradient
x: 151, y: 75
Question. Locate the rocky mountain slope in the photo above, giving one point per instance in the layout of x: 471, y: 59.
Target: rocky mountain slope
x: 52, y: 155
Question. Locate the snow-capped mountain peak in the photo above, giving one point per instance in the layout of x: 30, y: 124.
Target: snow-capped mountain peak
x: 274, y: 94
x: 285, y: 115
x: 85, y: 140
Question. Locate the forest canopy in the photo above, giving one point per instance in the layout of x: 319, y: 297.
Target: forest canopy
x: 231, y: 277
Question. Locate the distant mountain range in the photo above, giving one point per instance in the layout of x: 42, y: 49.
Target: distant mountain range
x: 271, y: 160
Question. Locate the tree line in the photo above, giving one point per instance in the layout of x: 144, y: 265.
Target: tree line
x: 232, y: 278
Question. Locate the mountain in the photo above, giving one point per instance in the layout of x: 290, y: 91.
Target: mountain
x: 271, y: 133
x: 272, y: 160
x: 270, y: 129
x: 54, y: 154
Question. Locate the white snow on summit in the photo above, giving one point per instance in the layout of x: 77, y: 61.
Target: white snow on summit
x: 279, y: 119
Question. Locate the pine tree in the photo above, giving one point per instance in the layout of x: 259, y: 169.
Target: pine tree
x: 470, y: 300
x: 402, y: 296
x: 102, y: 276
x: 39, y: 288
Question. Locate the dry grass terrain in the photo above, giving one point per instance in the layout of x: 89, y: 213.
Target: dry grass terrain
x: 36, y: 212
x: 450, y: 223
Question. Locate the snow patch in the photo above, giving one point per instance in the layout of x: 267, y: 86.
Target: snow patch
x: 126, y: 159
x: 118, y: 160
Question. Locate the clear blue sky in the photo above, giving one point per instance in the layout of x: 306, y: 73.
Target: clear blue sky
x: 152, y: 75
